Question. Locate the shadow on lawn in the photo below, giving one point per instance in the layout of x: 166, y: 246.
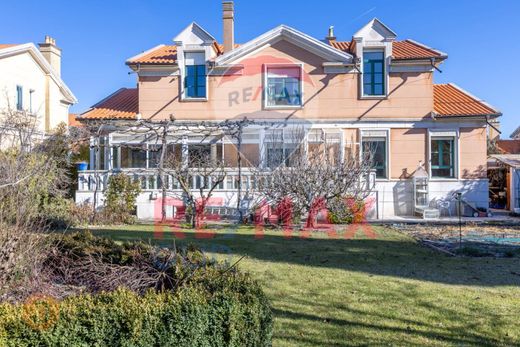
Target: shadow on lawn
x: 462, y: 335
x: 387, y: 256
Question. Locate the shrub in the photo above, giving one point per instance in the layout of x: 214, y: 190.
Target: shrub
x: 205, y: 304
x: 121, y: 197
x: 347, y: 210
x: 62, y: 213
x: 193, y: 316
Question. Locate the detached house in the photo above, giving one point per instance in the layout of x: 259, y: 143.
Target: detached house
x: 31, y: 83
x: 372, y: 91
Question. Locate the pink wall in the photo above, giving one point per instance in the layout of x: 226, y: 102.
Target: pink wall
x: 326, y: 96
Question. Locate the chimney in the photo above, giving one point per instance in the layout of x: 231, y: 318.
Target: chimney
x: 228, y: 16
x: 52, y: 53
x: 331, y: 36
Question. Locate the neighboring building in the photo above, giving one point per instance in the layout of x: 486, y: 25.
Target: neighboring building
x: 31, y: 82
x: 508, y: 146
x: 516, y: 134
x: 504, y: 178
x: 373, y: 91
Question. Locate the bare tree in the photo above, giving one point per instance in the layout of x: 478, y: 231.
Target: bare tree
x: 197, y: 175
x: 308, y: 175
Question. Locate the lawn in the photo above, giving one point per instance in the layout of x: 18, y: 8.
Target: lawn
x: 332, y: 290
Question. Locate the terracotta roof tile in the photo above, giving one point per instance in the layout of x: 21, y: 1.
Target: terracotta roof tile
x: 409, y: 49
x: 341, y: 45
x: 162, y: 54
x: 73, y: 122
x: 401, y: 50
x: 7, y: 45
x: 166, y: 55
x: 509, y: 146
x: 449, y: 100
x: 123, y: 104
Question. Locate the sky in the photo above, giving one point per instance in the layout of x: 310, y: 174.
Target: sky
x: 98, y: 36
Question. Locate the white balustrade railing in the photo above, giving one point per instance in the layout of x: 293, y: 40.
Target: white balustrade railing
x: 92, y: 180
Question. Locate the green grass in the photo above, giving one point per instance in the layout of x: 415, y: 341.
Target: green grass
x: 333, y: 291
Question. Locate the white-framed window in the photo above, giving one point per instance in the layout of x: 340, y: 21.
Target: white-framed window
x: 375, y: 147
x: 195, y: 76
x: 374, y: 74
x: 31, y: 92
x: 19, y: 98
x: 280, y: 145
x: 283, y: 86
x: 325, y: 142
x: 443, y: 154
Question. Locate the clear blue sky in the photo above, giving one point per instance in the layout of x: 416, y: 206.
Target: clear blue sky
x: 98, y: 36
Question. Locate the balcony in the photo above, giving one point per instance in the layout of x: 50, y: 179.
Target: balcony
x: 97, y: 180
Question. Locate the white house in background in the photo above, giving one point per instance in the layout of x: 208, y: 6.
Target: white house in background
x: 30, y: 81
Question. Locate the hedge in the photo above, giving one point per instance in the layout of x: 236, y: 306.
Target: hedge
x: 210, y: 304
x: 236, y: 315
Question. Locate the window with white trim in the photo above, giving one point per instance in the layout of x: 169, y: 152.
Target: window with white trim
x: 442, y: 156
x: 374, y: 147
x: 19, y: 98
x: 374, y: 73
x: 195, y: 75
x: 284, y: 86
x: 280, y: 148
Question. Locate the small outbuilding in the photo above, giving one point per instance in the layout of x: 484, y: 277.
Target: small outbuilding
x: 504, y: 182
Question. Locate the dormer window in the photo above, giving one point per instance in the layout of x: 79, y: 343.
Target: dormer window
x: 195, y: 75
x: 374, y: 73
x: 284, y: 87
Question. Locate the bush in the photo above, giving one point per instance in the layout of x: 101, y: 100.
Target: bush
x: 205, y: 304
x: 62, y: 213
x: 233, y: 315
x: 347, y: 210
x: 121, y: 197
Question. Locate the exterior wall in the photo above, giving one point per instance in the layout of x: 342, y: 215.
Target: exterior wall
x: 407, y: 148
x: 326, y: 96
x: 396, y: 197
x: 473, y: 153
x: 23, y: 70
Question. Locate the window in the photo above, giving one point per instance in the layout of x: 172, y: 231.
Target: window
x: 375, y: 149
x: 324, y: 144
x: 100, y: 154
x: 133, y: 157
x: 281, y: 147
x: 373, y: 73
x: 31, y: 92
x: 154, y: 155
x: 443, y: 157
x: 199, y: 154
x: 19, y: 98
x: 284, y: 86
x: 195, y: 78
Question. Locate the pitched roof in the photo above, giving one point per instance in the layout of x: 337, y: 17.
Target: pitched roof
x: 509, y: 146
x: 123, y: 104
x: 165, y: 55
x: 7, y: 50
x: 7, y: 45
x: 450, y: 100
x: 401, y: 50
x: 73, y: 122
x: 161, y: 55
x: 516, y: 134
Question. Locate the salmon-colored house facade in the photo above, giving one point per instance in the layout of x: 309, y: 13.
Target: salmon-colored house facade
x: 373, y: 91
